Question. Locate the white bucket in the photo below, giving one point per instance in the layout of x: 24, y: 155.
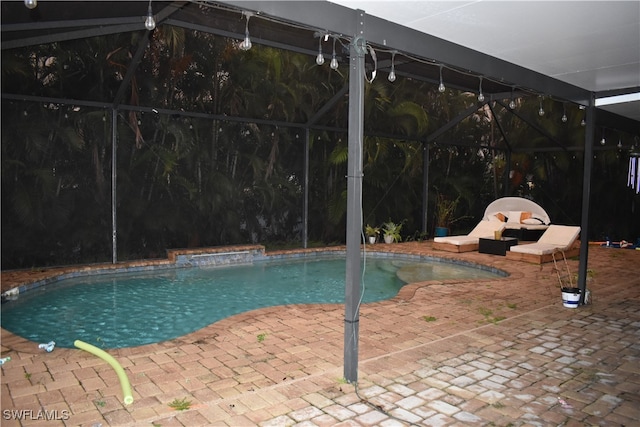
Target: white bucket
x: 570, y: 297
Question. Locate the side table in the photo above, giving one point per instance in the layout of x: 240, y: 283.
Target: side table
x: 496, y: 246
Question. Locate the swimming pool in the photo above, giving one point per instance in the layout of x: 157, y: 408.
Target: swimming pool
x: 131, y: 309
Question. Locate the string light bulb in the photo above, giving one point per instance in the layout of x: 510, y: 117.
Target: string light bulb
x: 150, y: 22
x: 564, y: 114
x: 334, y: 61
x: 392, y: 74
x: 246, y: 43
x: 541, y: 110
x: 512, y: 102
x: 441, y: 87
x: 603, y: 141
x: 31, y: 4
x: 320, y: 57
x: 480, y: 94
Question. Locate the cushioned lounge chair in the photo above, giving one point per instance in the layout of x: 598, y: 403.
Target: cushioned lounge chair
x: 468, y: 242
x: 524, y: 218
x: 557, y: 238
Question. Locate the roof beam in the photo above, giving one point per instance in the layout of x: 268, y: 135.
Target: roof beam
x: 317, y: 15
x: 540, y: 130
x: 333, y: 101
x: 618, y: 92
x: 89, y: 28
x: 381, y: 32
x: 500, y: 128
x: 239, y: 36
x: 71, y: 35
x: 142, y: 46
x: 131, y: 69
x: 460, y: 117
x: 70, y: 23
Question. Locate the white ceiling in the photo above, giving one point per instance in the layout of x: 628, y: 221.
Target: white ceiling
x: 594, y: 45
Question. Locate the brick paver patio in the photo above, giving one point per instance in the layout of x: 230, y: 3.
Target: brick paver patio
x: 499, y: 352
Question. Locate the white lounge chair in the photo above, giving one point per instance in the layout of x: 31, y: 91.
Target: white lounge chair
x: 468, y: 242
x: 557, y: 238
x: 524, y: 218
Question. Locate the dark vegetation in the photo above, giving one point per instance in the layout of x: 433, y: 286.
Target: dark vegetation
x: 185, y: 180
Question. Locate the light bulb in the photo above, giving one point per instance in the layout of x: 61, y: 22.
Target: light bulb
x: 320, y: 57
x: 441, y: 87
x: 564, y: 118
x: 583, y: 122
x: 619, y: 143
x: 392, y: 74
x: 512, y: 102
x: 481, y: 97
x: 603, y: 141
x: 246, y: 43
x: 150, y: 22
x: 31, y: 4
x: 541, y: 110
x: 334, y: 61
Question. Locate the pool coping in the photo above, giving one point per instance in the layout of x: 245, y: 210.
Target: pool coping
x: 179, y: 258
x: 205, y: 257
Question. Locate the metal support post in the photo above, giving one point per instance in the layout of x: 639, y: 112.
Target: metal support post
x: 425, y: 186
x: 586, y: 197
x: 305, y: 201
x: 114, y: 174
x: 357, y: 51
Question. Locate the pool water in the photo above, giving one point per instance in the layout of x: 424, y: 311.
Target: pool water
x: 131, y: 309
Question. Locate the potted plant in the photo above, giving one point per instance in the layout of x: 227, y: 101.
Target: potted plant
x: 372, y: 233
x: 391, y: 232
x: 445, y: 212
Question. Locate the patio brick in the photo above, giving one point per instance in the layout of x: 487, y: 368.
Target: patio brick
x: 305, y: 413
x: 457, y: 370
